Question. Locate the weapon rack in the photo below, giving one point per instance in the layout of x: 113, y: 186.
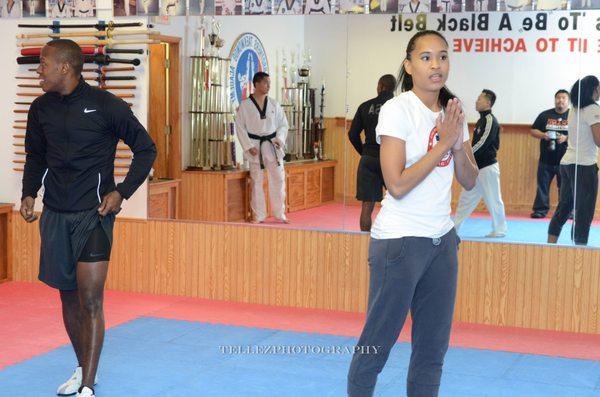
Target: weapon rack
x: 26, y: 95
x: 211, y: 115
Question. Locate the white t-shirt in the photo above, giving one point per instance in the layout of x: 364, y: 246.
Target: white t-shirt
x: 582, y: 149
x: 425, y: 210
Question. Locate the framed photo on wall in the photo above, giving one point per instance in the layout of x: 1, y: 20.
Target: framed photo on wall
x: 228, y: 7
x: 383, y: 6
x: 34, y: 8
x: 147, y: 7
x: 11, y: 9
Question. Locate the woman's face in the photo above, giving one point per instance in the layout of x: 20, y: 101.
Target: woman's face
x: 429, y: 64
x: 596, y: 94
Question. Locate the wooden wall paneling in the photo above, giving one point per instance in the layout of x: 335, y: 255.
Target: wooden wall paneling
x: 313, y: 187
x: 296, y: 188
x: 236, y: 199
x: 540, y: 287
x: 327, y: 186
x: 6, y: 232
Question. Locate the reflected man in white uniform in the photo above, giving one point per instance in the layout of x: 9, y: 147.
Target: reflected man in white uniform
x: 262, y: 129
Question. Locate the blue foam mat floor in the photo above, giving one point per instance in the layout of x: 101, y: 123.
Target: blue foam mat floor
x: 161, y: 357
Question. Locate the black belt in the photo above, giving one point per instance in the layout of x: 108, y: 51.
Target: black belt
x: 263, y: 139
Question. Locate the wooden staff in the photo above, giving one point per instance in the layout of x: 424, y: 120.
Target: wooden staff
x: 36, y: 94
x: 101, y: 86
x: 88, y: 50
x: 89, y: 78
x: 99, y: 26
x: 102, y: 70
x: 107, y: 33
x: 92, y: 42
x: 29, y: 103
x: 99, y: 59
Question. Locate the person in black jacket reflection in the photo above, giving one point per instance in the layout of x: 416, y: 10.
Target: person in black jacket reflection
x: 486, y: 142
x: 369, y: 178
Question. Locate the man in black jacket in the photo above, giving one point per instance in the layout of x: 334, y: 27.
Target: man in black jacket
x: 71, y: 140
x: 369, y: 178
x: 486, y: 142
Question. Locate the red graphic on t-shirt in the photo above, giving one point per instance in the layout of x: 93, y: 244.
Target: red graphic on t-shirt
x: 433, y: 136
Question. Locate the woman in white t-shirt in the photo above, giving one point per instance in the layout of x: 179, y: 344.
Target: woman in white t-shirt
x: 578, y: 167
x: 413, y: 250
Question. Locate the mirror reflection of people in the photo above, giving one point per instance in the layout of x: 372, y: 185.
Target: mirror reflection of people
x: 262, y: 128
x: 486, y: 142
x: 578, y: 167
x: 369, y: 179
x: 551, y: 128
x: 413, y: 259
x: 80, y: 198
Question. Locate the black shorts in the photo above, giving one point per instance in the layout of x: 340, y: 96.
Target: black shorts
x: 369, y: 179
x: 71, y: 237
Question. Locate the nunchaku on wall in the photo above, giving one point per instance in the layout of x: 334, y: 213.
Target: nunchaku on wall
x: 106, y: 63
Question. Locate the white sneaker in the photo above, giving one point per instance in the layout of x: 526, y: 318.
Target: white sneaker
x: 85, y: 392
x: 495, y: 234
x: 71, y: 386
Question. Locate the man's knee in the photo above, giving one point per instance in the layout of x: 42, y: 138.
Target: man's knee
x: 91, y: 304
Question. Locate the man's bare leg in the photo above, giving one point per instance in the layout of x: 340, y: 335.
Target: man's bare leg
x: 91, y: 277
x: 71, y: 313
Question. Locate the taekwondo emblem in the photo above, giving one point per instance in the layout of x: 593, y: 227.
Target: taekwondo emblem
x: 247, y: 57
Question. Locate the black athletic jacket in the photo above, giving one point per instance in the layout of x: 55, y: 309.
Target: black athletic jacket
x: 486, y: 139
x: 71, y: 143
x: 366, y: 118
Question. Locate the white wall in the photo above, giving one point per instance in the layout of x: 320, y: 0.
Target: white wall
x: 525, y: 83
x: 10, y: 180
x: 326, y: 36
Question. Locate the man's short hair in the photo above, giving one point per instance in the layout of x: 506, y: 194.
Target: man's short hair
x: 69, y: 52
x: 562, y: 92
x: 388, y: 82
x: 490, y: 96
x: 258, y: 77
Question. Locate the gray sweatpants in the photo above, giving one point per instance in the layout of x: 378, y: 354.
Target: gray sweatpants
x: 415, y: 273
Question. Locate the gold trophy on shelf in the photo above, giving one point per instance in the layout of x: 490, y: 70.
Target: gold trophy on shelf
x: 211, y: 115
